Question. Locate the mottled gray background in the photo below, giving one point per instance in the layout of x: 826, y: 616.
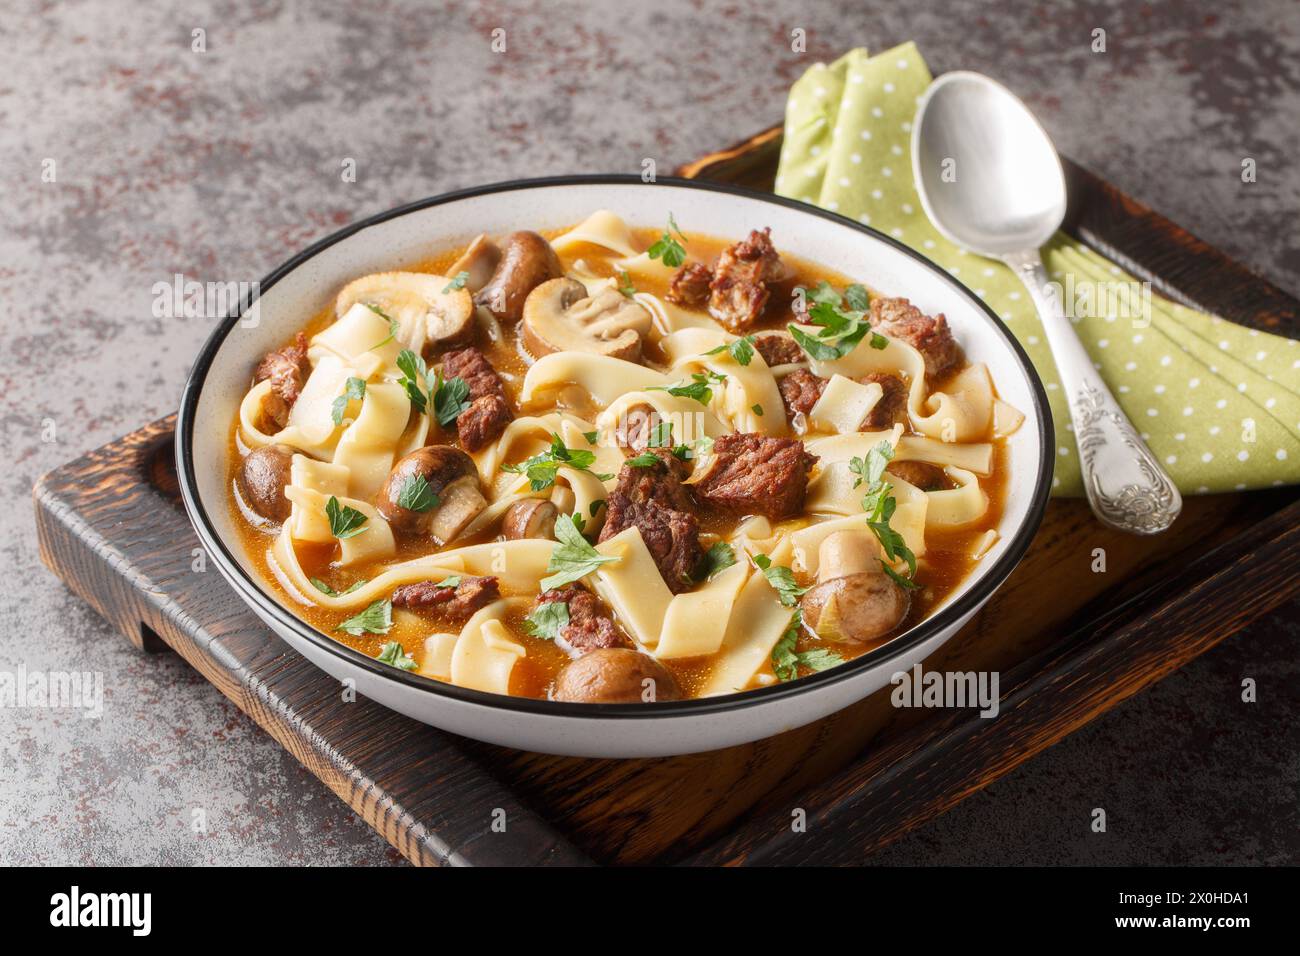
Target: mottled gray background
x: 219, y: 165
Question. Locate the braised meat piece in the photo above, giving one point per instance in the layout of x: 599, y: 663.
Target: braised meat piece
x: 653, y: 499
x: 892, y: 406
x: 929, y: 335
x: 690, y: 285
x: 489, y: 410
x: 287, y: 369
x: 800, y: 391
x: 750, y: 473
x: 777, y: 348
x: 739, y: 290
x: 924, y: 476
x: 454, y: 603
x: 590, y: 627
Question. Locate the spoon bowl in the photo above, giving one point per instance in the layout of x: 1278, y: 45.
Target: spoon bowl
x: 989, y: 178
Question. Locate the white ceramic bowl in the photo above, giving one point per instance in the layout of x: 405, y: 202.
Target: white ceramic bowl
x: 394, y: 240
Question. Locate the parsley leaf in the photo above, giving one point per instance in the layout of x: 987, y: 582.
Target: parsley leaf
x: 668, y: 250
x: 742, y: 350
x: 344, y: 520
x: 457, y: 282
x: 572, y: 558
x: 416, y: 495
x: 450, y: 581
x: 757, y: 409
x: 857, y: 298
x: 541, y: 469
x: 547, y: 620
x: 355, y: 388
x: 324, y: 588
x: 782, y: 580
x: 879, y: 505
x: 375, y: 619
x: 591, y: 437
x: 786, y: 661
x: 698, y: 388
x: 841, y: 329
x: 393, y: 326
x: 392, y: 653
x: 415, y: 376
x: 450, y: 398
x: 646, y: 459
x: 717, y: 558
x: 625, y: 284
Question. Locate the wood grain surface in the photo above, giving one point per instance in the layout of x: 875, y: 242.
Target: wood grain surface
x: 1068, y: 642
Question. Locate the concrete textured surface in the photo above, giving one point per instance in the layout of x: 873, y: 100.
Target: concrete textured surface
x: 219, y: 164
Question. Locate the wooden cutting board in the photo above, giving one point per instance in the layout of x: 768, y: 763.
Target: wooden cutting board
x: 1069, y: 644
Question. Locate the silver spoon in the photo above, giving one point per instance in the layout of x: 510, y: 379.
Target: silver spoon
x: 991, y: 181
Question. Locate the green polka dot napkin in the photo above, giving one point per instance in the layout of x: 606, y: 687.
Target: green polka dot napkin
x: 1217, y: 403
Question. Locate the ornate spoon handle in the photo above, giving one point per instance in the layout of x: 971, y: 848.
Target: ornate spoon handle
x: 1126, y: 486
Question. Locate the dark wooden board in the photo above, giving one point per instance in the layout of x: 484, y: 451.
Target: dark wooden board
x: 1068, y: 643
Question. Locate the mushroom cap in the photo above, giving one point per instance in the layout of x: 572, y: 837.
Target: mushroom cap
x: 857, y: 607
x: 263, y: 475
x: 560, y: 316
x: 417, y: 300
x: 527, y: 260
x: 614, y: 675
x: 442, y: 466
x: 529, y: 518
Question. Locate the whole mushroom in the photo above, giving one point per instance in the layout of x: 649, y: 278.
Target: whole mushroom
x: 263, y: 475
x: 452, y: 499
x: 854, y: 599
x: 615, y: 675
x: 530, y: 518
x: 527, y: 260
x: 560, y: 316
x: 445, y: 314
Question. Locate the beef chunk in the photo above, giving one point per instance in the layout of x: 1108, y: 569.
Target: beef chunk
x: 756, y: 474
x: 590, y: 627
x: 924, y: 476
x: 455, y: 604
x: 739, y: 290
x: 892, y: 406
x: 653, y: 499
x: 690, y: 285
x: 778, y: 349
x: 287, y: 369
x: 489, y: 410
x: 800, y: 391
x: 929, y: 335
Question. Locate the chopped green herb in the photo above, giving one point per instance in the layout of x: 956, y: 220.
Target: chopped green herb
x: 375, y: 619
x: 416, y: 495
x: 698, y: 388
x: 668, y: 250
x: 542, y: 468
x: 644, y: 460
x: 457, y: 282
x: 573, y: 557
x: 786, y: 661
x: 782, y: 580
x: 841, y: 329
x: 393, y: 326
x: 625, y: 284
x: 450, y: 581
x: 324, y: 588
x: 392, y: 653
x: 345, y: 521
x: 450, y: 398
x: 756, y: 409
x: 415, y: 376
x: 591, y: 437
x: 857, y: 298
x: 879, y: 505
x: 741, y: 349
x: 595, y: 506
x: 355, y: 388
x: 547, y: 620
x: 717, y: 558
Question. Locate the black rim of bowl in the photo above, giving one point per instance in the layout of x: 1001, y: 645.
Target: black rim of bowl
x: 991, y: 579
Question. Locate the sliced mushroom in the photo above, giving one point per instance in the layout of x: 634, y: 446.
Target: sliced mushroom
x: 854, y: 600
x: 263, y: 475
x: 530, y: 518
x: 478, y: 262
x: 527, y: 260
x: 443, y: 316
x: 615, y: 675
x: 451, y: 476
x: 559, y: 316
